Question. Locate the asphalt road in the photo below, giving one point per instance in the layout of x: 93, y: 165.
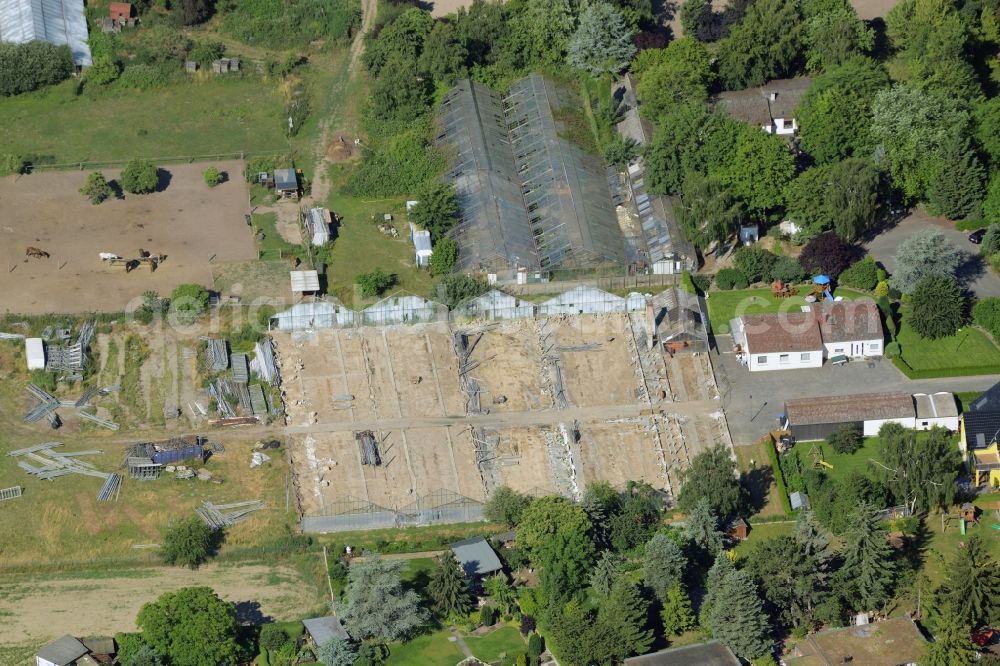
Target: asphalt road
x: 975, y: 274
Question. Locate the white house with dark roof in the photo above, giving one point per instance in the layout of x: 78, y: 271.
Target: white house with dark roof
x: 771, y: 106
x: 826, y: 330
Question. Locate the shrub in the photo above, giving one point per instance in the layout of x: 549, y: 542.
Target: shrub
x: 730, y: 278
x: 402, y: 165
x: 787, y: 269
x: 488, y: 616
x: 528, y: 624
x: 212, y: 176
x: 755, y: 263
x: 272, y: 637
x: 893, y: 350
x: 444, y: 256
x: 140, y: 177
x: 986, y: 313
x: 96, y: 188
x: 375, y: 282
x: 861, y: 275
x: 189, y: 298
x: 846, y: 439
x: 535, y: 645
x: 12, y: 164
x: 882, y: 289
x: 687, y: 283
x: 32, y: 65
x: 187, y: 542
x: 141, y: 77
x: 102, y: 72
x: 881, y: 275
x: 701, y: 282
x: 991, y: 241
x: 278, y: 25
x: 457, y: 287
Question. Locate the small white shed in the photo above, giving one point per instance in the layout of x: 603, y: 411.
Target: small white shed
x: 34, y: 350
x: 422, y: 247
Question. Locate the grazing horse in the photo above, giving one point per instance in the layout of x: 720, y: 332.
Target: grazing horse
x: 131, y: 265
x: 143, y: 254
x: 37, y: 253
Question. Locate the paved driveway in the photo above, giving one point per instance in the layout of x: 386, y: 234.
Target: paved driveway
x: 752, y: 401
x: 975, y: 274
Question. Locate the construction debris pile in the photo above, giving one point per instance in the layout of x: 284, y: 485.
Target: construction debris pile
x: 47, y: 404
x: 71, y: 358
x: 233, y: 393
x: 218, y: 516
x: 145, y: 460
x: 369, y: 448
x: 50, y: 464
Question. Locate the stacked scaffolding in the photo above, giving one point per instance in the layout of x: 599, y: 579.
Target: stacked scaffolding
x: 219, y: 516
x: 369, y: 448
x: 50, y: 465
x: 217, y: 353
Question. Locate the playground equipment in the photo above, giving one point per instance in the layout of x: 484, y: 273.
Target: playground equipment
x: 821, y: 287
x: 782, y: 290
x: 818, y: 458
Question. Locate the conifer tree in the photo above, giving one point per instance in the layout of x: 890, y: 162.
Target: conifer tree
x: 602, y: 42
x: 663, y: 565
x: 625, y: 615
x: 721, y: 568
x: 952, y: 645
x: 702, y: 527
x: 737, y: 617
x: 972, y: 588
x: 868, y: 562
x: 957, y: 192
x: 676, y: 613
x: 606, y: 572
x: 448, y: 587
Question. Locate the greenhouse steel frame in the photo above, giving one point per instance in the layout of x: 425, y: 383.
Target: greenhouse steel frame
x: 527, y: 197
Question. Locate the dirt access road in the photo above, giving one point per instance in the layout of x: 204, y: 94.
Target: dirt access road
x: 34, y: 607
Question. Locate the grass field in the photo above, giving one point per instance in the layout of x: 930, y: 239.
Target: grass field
x: 844, y: 464
x: 493, y: 646
x: 753, y: 462
x: 762, y: 531
x: 724, y: 306
x: 432, y: 649
x: 969, y: 352
x: 360, y: 246
x: 216, y: 115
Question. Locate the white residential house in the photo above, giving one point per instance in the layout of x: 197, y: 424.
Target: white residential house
x: 770, y: 107
x: 849, y: 328
x: 837, y: 331
x: 778, y: 341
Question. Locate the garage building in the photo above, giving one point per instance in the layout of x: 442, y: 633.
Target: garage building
x: 818, y: 418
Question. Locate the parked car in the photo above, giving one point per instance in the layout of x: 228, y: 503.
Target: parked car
x: 977, y: 236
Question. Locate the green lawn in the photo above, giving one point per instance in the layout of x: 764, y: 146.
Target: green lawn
x: 844, y: 464
x: 428, y: 650
x: 969, y: 352
x: 360, y: 247
x: 762, y: 531
x: 273, y: 247
x: 198, y: 117
x: 724, y: 306
x: 504, y: 641
x: 418, y: 573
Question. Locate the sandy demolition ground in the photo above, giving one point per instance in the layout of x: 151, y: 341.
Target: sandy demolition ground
x: 562, y: 401
x: 187, y: 221
x: 32, y: 607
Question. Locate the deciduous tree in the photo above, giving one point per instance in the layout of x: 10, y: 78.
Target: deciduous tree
x: 682, y: 72
x: 444, y: 55
x: 713, y: 476
x: 29, y: 66
x: 96, y: 188
x: 506, y: 506
x: 766, y: 45
x: 827, y: 254
x: 709, y: 214
x: 435, y: 209
x: 191, y: 627
x: 835, y: 35
x: 444, y: 256
x: 374, y: 283
x: 557, y: 534
x: 140, y: 177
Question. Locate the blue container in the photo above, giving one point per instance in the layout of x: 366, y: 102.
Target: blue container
x: 167, y: 457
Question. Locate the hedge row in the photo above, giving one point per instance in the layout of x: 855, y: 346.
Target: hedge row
x: 938, y: 373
